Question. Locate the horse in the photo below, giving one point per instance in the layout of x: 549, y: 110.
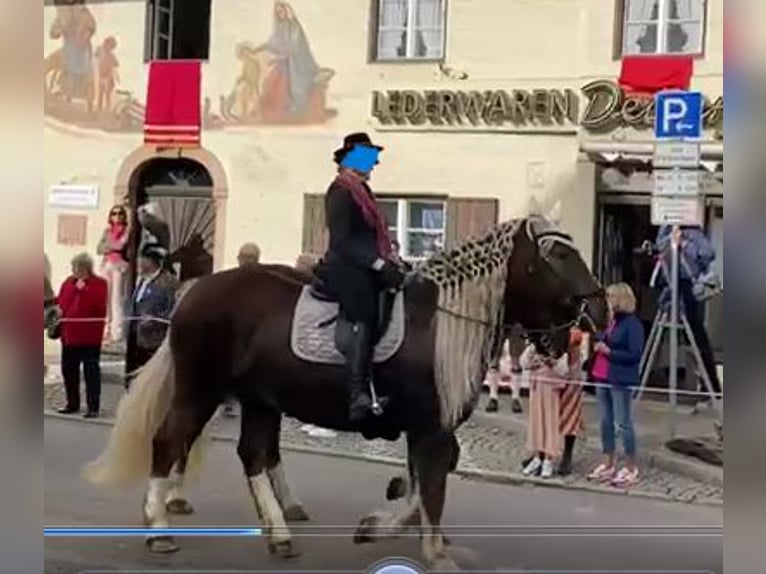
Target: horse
x: 230, y: 336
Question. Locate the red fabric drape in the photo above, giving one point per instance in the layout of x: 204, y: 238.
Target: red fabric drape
x: 652, y: 74
x: 173, y: 108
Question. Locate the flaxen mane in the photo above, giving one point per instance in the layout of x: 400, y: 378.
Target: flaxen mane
x: 471, y: 281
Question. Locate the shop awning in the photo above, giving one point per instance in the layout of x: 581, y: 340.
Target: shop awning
x: 173, y: 108
x: 611, y: 151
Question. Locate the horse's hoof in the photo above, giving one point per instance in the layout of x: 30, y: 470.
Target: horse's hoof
x: 179, y: 506
x: 162, y: 545
x: 296, y: 513
x: 397, y: 488
x: 284, y: 549
x: 443, y: 564
x: 365, y: 532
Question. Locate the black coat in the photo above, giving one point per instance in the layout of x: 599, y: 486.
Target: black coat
x: 347, y: 266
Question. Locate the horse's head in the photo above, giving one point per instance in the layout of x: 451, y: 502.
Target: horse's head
x: 549, y: 286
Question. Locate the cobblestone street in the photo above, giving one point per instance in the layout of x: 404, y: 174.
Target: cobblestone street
x: 490, y: 450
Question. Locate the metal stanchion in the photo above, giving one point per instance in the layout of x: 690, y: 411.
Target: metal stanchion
x: 673, y: 382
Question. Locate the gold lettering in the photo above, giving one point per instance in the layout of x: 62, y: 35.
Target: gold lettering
x: 381, y: 107
x: 434, y: 111
x: 541, y: 106
x: 604, y: 101
x: 449, y: 105
x: 712, y: 116
x: 521, y: 111
x: 634, y: 110
x: 413, y: 107
x: 497, y: 108
x: 471, y: 105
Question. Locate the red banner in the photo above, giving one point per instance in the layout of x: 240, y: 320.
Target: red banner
x: 652, y: 74
x: 173, y: 108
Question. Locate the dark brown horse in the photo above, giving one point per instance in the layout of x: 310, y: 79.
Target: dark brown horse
x: 230, y: 335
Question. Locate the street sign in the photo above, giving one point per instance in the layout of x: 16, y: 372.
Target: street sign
x: 677, y: 210
x: 675, y: 182
x: 678, y: 115
x: 668, y: 154
x: 73, y: 196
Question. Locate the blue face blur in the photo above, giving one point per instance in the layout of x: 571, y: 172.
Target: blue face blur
x: 362, y: 159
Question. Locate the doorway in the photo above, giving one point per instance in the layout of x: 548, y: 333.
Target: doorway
x: 182, y: 189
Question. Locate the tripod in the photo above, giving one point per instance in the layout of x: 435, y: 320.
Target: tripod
x: 661, y: 325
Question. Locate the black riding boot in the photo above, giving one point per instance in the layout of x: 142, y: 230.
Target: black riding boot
x: 358, y: 360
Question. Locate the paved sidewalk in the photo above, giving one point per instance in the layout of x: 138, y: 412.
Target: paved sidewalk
x: 493, y: 446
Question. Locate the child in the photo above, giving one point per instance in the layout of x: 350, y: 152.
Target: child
x: 548, y: 370
x: 107, y: 72
x: 507, y: 372
x: 570, y: 403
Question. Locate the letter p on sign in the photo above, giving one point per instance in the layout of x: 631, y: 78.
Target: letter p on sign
x: 678, y: 115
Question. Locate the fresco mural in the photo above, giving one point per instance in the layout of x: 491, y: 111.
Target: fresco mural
x: 280, y: 80
x: 81, y: 75
x: 279, y: 83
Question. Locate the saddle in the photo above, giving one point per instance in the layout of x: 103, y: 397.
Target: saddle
x: 320, y: 333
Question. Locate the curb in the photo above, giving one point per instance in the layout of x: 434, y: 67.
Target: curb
x: 475, y: 474
x: 686, y: 467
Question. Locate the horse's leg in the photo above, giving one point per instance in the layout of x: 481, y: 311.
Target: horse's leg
x: 183, y: 424
x: 435, y: 456
x: 389, y: 523
x: 291, y: 506
x: 176, y: 503
x: 260, y: 427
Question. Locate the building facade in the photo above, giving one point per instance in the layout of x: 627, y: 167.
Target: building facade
x: 480, y: 105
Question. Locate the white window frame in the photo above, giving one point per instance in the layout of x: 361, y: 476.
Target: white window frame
x: 410, y: 30
x: 402, y: 222
x: 663, y: 22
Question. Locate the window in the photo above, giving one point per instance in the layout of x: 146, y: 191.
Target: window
x: 176, y: 33
x: 410, y: 29
x: 663, y: 26
x: 418, y: 225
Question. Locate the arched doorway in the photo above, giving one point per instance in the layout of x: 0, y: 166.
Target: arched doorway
x: 182, y: 189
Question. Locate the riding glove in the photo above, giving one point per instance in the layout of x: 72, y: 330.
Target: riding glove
x: 392, y: 275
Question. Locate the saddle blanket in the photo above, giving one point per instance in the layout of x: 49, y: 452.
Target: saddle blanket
x: 313, y: 331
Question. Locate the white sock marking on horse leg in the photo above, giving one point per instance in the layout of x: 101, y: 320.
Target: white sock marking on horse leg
x: 281, y: 488
x: 176, y: 484
x: 269, y: 505
x: 154, y: 507
x: 433, y: 547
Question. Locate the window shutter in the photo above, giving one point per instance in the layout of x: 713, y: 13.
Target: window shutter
x: 620, y: 11
x: 467, y: 218
x: 314, y: 228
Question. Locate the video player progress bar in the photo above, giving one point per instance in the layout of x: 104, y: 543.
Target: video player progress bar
x: 69, y: 532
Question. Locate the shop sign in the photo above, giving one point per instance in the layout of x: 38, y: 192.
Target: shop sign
x: 605, y: 107
x: 73, y: 196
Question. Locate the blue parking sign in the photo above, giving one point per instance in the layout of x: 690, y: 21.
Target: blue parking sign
x: 678, y: 115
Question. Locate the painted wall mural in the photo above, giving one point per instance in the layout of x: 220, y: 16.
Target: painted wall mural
x: 280, y: 81
x: 82, y: 83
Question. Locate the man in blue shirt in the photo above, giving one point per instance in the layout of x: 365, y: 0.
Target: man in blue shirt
x: 696, y: 254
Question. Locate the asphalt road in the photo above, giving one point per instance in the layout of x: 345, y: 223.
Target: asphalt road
x: 524, y: 528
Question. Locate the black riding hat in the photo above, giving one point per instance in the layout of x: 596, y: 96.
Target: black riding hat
x: 351, y: 140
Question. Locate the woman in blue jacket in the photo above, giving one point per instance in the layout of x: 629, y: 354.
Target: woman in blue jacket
x: 616, y: 370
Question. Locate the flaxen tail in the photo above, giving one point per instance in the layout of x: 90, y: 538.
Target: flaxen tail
x: 128, y: 454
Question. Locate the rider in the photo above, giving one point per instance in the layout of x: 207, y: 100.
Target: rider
x: 359, y: 262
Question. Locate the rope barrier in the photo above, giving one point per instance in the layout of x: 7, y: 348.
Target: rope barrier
x: 537, y: 378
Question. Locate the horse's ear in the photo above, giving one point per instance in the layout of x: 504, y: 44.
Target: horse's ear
x: 533, y: 208
x: 554, y: 215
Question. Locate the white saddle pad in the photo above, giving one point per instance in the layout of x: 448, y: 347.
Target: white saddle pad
x: 314, y: 343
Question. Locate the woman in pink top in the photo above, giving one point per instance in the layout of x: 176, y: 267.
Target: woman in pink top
x: 115, y: 265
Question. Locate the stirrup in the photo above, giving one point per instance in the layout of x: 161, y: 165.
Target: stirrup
x: 378, y: 404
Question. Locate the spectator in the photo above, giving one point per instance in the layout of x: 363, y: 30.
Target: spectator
x: 115, y: 265
x: 571, y: 418
x: 548, y: 373
x: 616, y: 371
x: 249, y: 254
x: 506, y: 370
x: 696, y: 257
x: 306, y: 263
x: 151, y: 305
x: 83, y: 302
x: 397, y: 256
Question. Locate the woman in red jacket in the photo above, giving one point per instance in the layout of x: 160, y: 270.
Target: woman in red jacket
x: 83, y: 303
